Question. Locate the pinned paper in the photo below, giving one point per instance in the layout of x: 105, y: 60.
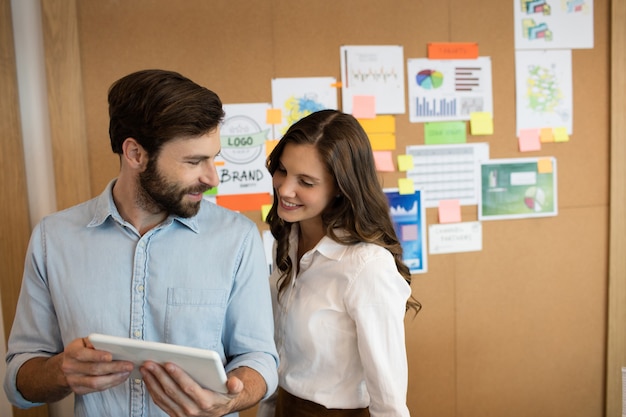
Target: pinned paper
x: 384, y: 161
x: 560, y: 134
x: 481, y: 123
x: 439, y: 133
x: 546, y: 135
x: 529, y: 140
x: 544, y: 166
x: 449, y: 211
x: 452, y: 50
x: 265, y: 209
x: 364, y: 107
x: 274, y: 116
x: 405, y: 163
x: 406, y: 186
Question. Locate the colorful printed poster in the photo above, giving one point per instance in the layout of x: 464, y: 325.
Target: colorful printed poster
x: 299, y: 97
x: 553, y: 24
x: 518, y: 188
x: 544, y: 92
x: 241, y: 163
x: 373, y: 71
x: 409, y: 221
x: 448, y: 89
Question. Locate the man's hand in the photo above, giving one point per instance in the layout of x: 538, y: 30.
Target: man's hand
x: 174, y: 391
x: 87, y: 369
x: 79, y: 368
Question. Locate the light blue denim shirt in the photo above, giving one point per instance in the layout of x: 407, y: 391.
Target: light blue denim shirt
x: 200, y: 282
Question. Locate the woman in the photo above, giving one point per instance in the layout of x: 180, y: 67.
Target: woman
x: 339, y: 286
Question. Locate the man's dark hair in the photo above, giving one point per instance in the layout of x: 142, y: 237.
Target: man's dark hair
x: 155, y: 106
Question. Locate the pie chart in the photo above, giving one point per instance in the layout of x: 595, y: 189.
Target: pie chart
x: 429, y: 79
x: 534, y: 198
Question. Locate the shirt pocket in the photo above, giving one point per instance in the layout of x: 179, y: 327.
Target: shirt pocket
x: 195, y: 317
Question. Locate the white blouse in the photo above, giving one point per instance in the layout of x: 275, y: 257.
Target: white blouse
x: 340, y: 328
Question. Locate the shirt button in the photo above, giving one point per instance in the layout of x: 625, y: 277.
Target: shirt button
x: 140, y: 288
x: 137, y: 333
x: 137, y: 381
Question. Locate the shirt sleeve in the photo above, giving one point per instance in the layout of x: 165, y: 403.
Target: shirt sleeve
x: 249, y: 332
x: 376, y: 301
x: 35, y: 332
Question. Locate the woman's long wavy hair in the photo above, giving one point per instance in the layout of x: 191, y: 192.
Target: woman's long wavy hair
x: 361, y: 210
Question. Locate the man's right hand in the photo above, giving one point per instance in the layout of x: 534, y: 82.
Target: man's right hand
x: 79, y: 368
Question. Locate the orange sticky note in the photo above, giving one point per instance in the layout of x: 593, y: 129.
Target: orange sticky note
x: 270, y: 144
x: 383, y: 141
x: 244, y: 202
x: 364, y: 107
x: 452, y: 50
x: 274, y: 116
x: 544, y: 166
x: 449, y: 211
x: 560, y: 134
x: 385, y: 123
x: 529, y: 140
x: 384, y: 161
x: 546, y: 135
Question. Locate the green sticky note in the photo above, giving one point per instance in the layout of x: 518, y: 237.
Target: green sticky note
x: 438, y: 133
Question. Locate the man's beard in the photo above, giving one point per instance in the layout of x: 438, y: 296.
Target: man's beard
x: 156, y: 194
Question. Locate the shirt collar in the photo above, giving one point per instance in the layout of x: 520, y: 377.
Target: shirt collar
x: 326, y: 246
x: 105, y: 207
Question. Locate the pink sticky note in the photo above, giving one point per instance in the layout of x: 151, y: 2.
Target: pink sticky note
x: 529, y: 140
x: 449, y: 211
x: 384, y: 161
x: 364, y: 107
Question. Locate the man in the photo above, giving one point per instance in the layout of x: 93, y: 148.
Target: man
x: 147, y: 259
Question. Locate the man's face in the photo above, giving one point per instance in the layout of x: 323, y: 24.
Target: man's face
x: 175, y: 180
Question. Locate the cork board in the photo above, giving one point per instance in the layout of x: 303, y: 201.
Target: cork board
x: 516, y: 329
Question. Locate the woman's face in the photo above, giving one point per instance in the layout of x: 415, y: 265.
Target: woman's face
x: 302, y: 184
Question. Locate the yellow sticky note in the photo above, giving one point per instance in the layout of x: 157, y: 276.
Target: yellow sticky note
x: 544, y: 166
x: 560, y: 134
x: 364, y: 107
x: 546, y: 135
x: 405, y: 162
x: 406, y: 186
x: 383, y: 141
x: 385, y: 123
x: 383, y: 161
x: 270, y: 144
x: 274, y: 116
x: 265, y: 209
x: 481, y: 123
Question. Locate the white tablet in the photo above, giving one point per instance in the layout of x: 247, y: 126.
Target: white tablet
x: 204, y: 366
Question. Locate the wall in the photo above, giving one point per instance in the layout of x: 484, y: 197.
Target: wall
x: 517, y: 329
